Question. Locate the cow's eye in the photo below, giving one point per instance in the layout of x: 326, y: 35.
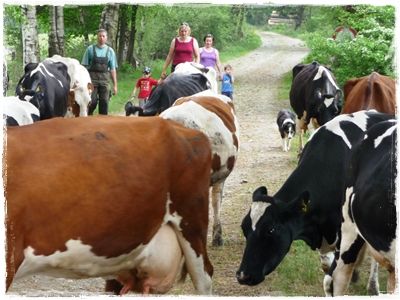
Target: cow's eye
x: 270, y: 231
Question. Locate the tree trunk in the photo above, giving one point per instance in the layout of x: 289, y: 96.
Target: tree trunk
x: 109, y: 22
x: 30, y: 42
x: 299, y: 17
x: 122, y: 33
x: 83, y: 23
x: 238, y: 16
x: 56, y: 34
x: 132, y: 36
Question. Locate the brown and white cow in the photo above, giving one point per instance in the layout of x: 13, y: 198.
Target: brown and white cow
x: 96, y: 196
x: 374, y: 91
x: 214, y: 115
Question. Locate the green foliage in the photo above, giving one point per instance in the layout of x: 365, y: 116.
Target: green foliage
x: 371, y: 50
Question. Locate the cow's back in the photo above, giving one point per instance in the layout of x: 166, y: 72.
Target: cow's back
x: 374, y: 91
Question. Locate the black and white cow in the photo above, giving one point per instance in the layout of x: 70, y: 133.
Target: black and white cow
x: 286, y: 121
x: 48, y: 83
x: 18, y: 112
x: 314, y: 95
x: 369, y: 212
x: 81, y: 86
x: 308, y: 206
x: 188, y: 79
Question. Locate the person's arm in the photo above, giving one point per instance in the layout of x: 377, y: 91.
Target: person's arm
x: 196, y: 52
x: 86, y: 58
x: 168, y: 59
x: 114, y: 79
x: 218, y: 62
x: 113, y: 69
x: 133, y: 92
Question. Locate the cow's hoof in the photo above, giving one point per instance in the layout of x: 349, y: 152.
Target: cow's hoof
x: 217, y: 235
x: 217, y: 241
x: 113, y: 286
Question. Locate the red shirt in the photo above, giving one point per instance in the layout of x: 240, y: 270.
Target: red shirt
x: 183, y: 52
x: 145, y: 86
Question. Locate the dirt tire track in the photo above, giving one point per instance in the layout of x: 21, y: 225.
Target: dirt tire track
x: 261, y: 162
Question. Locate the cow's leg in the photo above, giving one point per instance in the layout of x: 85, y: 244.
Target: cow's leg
x: 198, y: 266
x: 190, y: 223
x: 301, y: 128
x: 326, y: 260
x: 14, y: 252
x: 373, y: 281
x: 216, y: 195
x: 391, y: 281
x: 352, y: 250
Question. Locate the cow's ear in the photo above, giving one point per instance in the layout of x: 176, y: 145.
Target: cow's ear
x: 296, y: 70
x: 348, y: 86
x: 90, y: 87
x: 260, y: 194
x: 30, y: 66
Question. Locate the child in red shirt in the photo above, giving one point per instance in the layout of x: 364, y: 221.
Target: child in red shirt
x: 145, y: 84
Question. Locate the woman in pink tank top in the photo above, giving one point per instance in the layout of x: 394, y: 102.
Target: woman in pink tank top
x: 209, y: 56
x: 184, y: 48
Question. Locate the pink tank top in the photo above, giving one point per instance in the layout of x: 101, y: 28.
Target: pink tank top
x: 183, y: 52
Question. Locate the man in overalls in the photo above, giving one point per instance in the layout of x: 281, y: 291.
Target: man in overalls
x: 100, y: 60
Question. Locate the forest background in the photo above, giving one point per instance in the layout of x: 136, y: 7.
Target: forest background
x: 141, y: 35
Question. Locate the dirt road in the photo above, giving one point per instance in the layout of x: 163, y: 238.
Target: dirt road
x: 261, y: 162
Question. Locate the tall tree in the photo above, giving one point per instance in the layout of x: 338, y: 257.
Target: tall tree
x: 238, y: 13
x: 30, y: 44
x: 132, y: 35
x: 109, y: 21
x: 56, y: 34
x: 123, y: 25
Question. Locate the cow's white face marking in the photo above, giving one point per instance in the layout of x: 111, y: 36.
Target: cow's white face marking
x: 321, y: 70
x: 328, y: 101
x: 387, y: 133
x: 256, y: 212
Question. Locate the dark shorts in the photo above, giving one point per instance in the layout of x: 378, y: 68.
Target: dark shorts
x: 229, y: 94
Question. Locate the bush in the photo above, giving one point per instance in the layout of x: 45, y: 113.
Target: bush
x: 366, y: 53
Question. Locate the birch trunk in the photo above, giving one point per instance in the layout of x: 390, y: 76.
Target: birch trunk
x: 30, y: 41
x: 56, y: 34
x: 109, y: 22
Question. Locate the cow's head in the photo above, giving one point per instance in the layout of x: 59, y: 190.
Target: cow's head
x: 270, y: 228
x: 81, y: 95
x: 327, y: 95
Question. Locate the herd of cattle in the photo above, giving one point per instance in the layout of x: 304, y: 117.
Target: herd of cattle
x: 126, y: 188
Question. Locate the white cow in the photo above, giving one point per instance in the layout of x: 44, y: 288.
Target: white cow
x: 81, y: 85
x: 18, y: 112
x: 194, y: 68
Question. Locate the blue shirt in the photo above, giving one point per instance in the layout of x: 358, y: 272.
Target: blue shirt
x: 227, y: 84
x: 100, y: 52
